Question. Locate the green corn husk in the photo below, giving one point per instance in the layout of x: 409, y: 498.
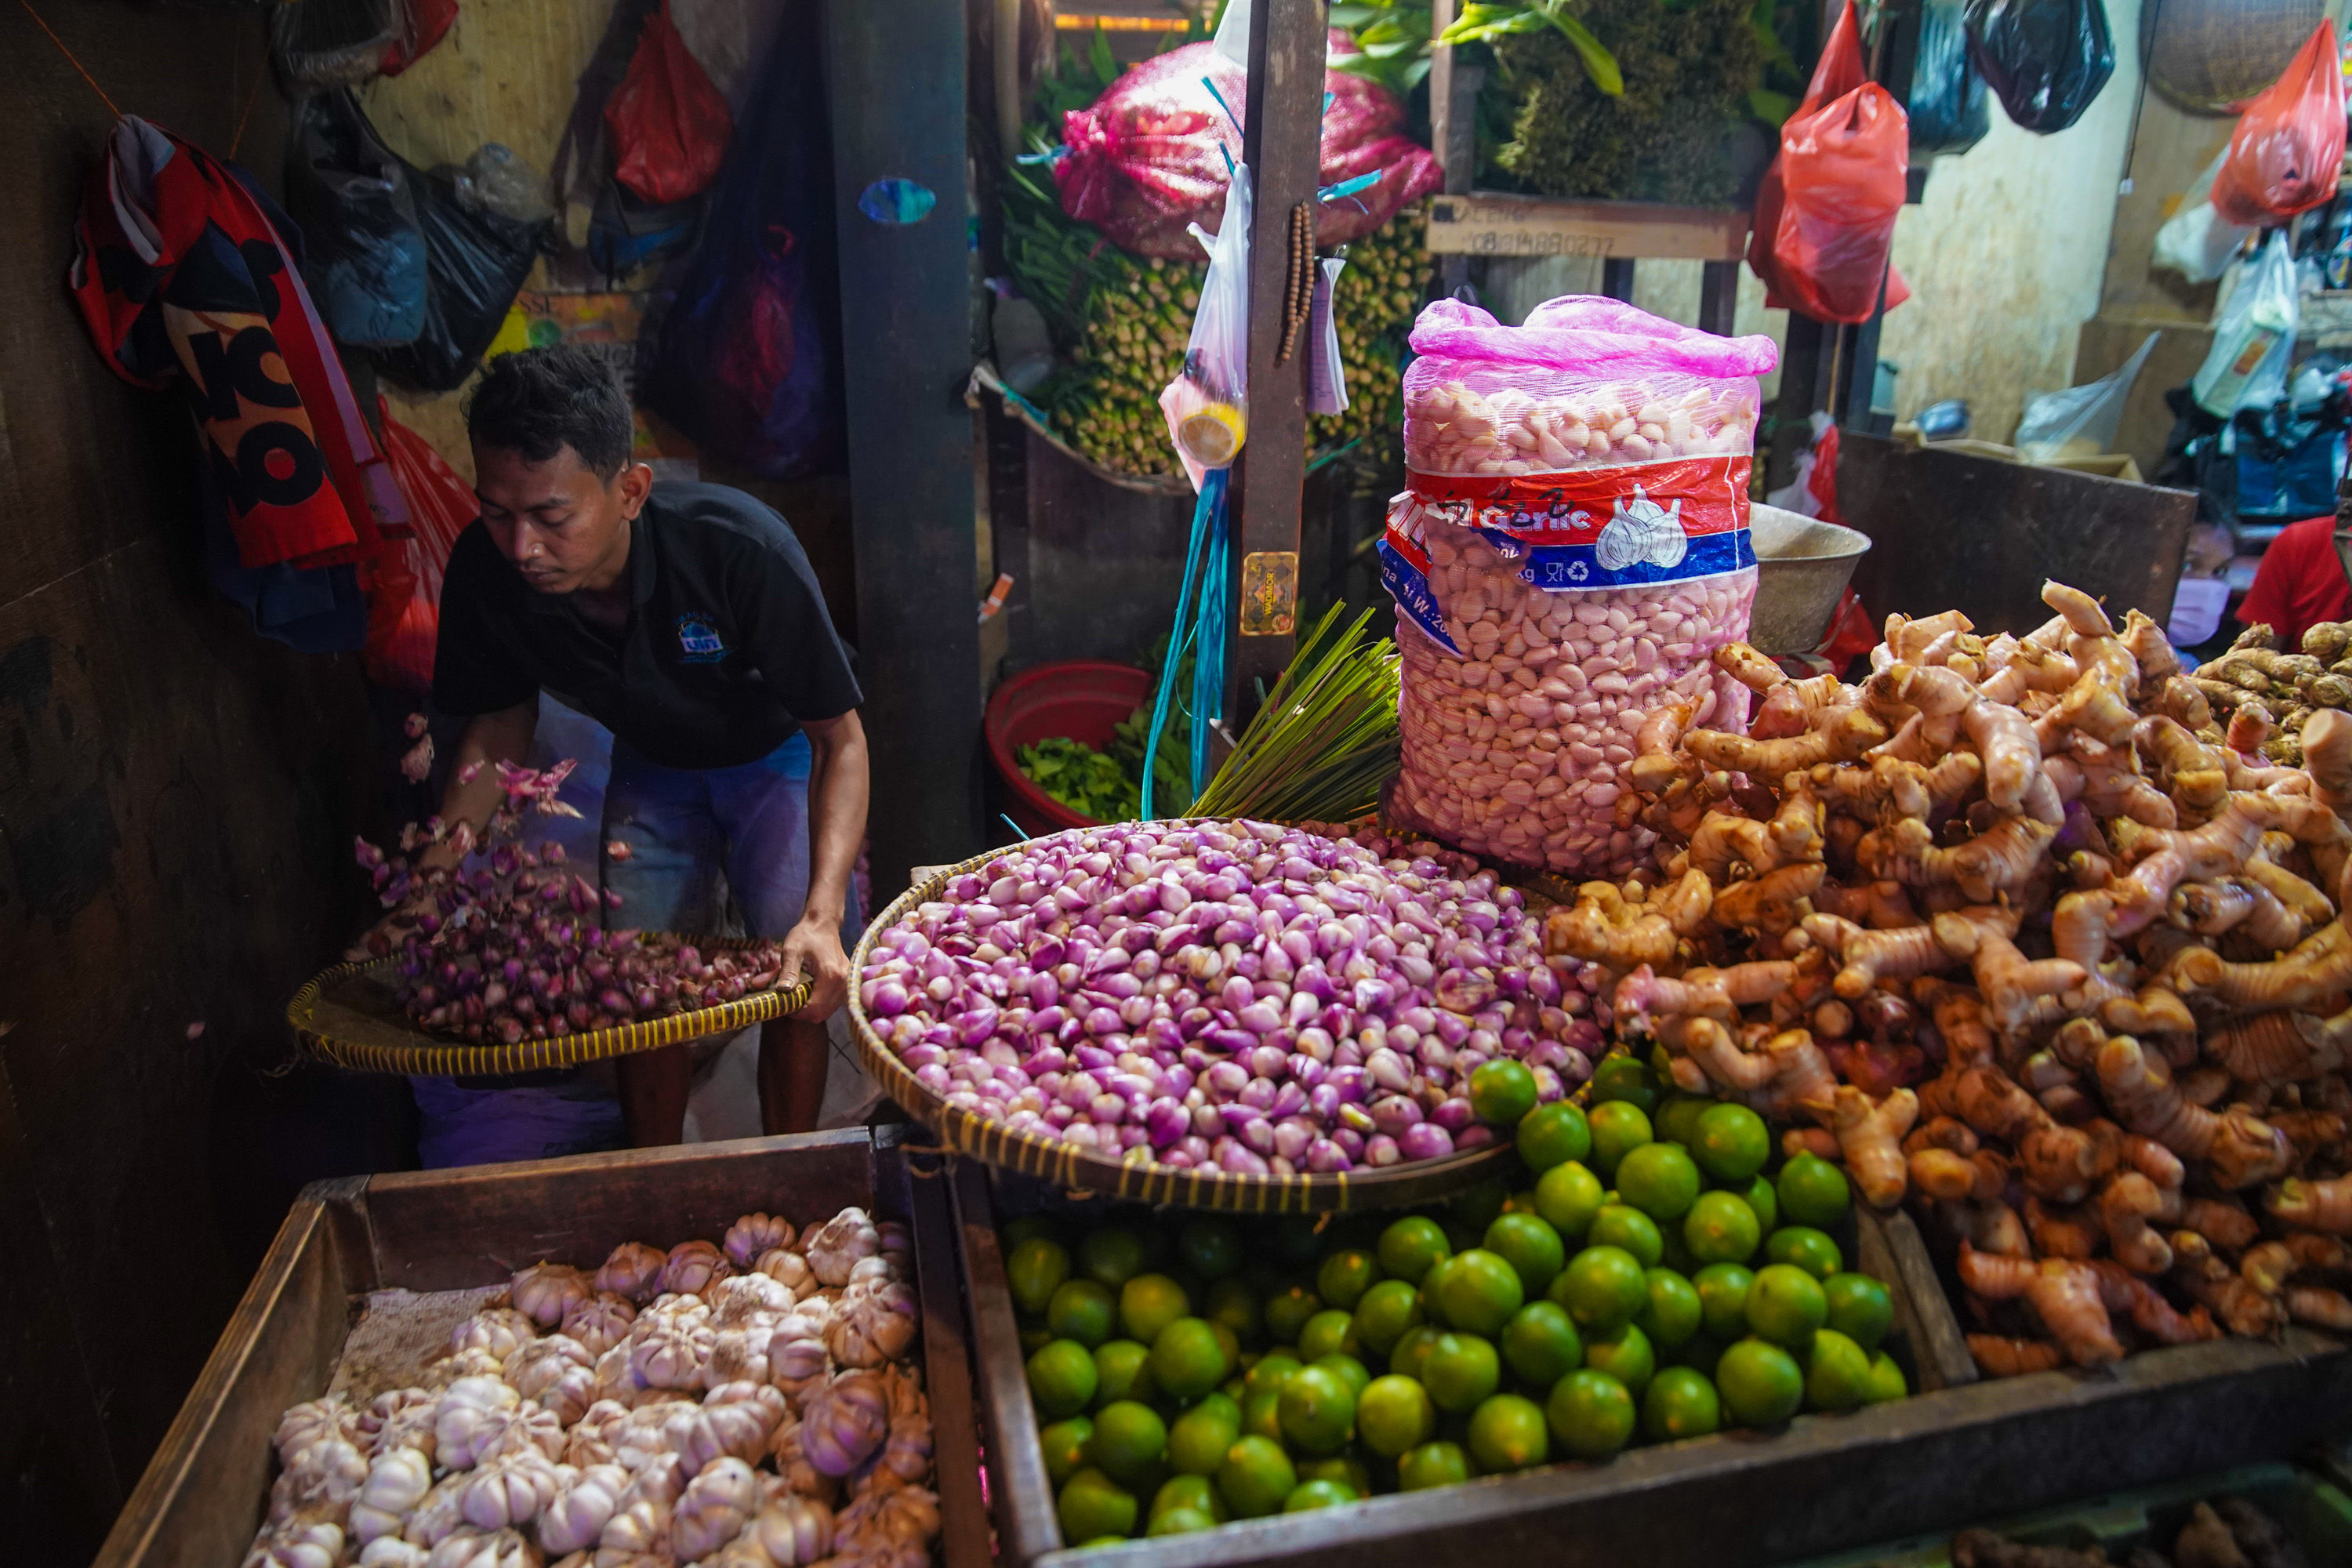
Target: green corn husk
x: 1324, y: 740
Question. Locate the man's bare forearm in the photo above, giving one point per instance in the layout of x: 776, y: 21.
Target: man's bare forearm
x: 837, y: 796
x: 489, y: 739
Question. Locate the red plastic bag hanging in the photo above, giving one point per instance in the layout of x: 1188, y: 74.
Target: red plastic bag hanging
x: 1844, y: 171
x: 441, y: 504
x: 669, y: 125
x: 1838, y: 75
x: 2284, y: 154
x: 421, y: 25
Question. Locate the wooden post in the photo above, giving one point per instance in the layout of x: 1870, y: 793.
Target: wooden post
x: 1282, y: 143
x: 1452, y: 127
x: 896, y: 75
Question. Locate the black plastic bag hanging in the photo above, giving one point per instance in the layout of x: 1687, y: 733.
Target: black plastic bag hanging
x: 1948, y: 108
x: 2046, y: 59
x: 364, y: 254
x: 475, y: 261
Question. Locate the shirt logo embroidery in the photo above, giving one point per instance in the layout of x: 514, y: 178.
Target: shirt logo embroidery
x: 698, y: 641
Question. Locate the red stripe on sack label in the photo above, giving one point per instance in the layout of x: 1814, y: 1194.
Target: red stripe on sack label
x: 1700, y: 495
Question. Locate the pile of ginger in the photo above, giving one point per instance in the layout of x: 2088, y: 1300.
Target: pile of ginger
x: 2014, y: 930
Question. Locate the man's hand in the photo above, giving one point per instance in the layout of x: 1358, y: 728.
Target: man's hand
x: 814, y: 947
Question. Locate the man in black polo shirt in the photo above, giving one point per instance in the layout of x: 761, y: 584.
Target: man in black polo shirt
x: 685, y: 618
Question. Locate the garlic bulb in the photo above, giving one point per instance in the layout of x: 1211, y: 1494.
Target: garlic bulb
x: 652, y: 1433
x: 672, y: 1351
x: 329, y: 1417
x: 898, y: 1245
x: 755, y: 1233
x: 875, y: 1323
x: 403, y: 1418
x: 511, y: 1490
x: 299, y: 1543
x: 392, y: 1551
x: 906, y: 1452
x: 640, y: 1528
x: 492, y: 1549
x: 660, y: 1479
x: 874, y: 1270
x: 590, y: 1441
x: 535, y: 1364
x: 576, y: 1516
x: 845, y: 1422
x: 472, y: 1414
x: 692, y: 1267
x: 739, y: 1300
x: 600, y: 1321
x: 787, y: 1268
x: 530, y: 1428
x: 835, y: 1249
x: 717, y: 1504
x: 634, y: 1270
x: 616, y: 1379
x: 796, y: 1353
x: 570, y: 1395
x: 471, y: 1361
x: 792, y: 1466
x: 792, y: 1532
x: 738, y: 1419
x: 439, y: 1511
x: 892, y: 1529
x: 547, y: 1292
x: 396, y: 1482
x: 739, y: 1355
x: 499, y: 1329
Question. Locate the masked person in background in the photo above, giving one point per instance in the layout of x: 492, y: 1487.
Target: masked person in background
x: 686, y: 620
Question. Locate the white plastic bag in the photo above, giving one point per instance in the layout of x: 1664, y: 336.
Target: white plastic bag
x: 2255, y: 337
x: 2080, y: 422
x: 1327, y: 371
x: 2197, y: 242
x: 1207, y: 405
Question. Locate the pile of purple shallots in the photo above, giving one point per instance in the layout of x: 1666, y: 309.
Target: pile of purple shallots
x: 1259, y: 999
x: 748, y: 1405
x: 509, y: 945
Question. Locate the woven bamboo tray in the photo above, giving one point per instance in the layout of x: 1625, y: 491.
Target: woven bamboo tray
x: 350, y: 1016
x: 1142, y: 1181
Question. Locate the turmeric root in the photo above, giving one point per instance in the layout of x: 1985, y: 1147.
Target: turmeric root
x: 2242, y: 1149
x: 2127, y: 1204
x: 1717, y: 993
x: 2064, y: 1293
x: 1943, y: 1175
x: 2151, y: 1314
x: 1867, y: 957
x: 2320, y: 965
x: 1999, y: 1355
x: 1838, y: 735
x: 2319, y: 1307
x: 1583, y: 931
x: 1772, y: 903
x: 2274, y: 1048
x: 2223, y: 1222
x: 2324, y: 1206
x: 1871, y: 1137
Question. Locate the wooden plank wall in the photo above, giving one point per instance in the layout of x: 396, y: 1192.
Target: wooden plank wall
x: 176, y: 802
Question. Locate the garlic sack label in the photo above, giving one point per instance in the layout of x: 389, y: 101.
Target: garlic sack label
x: 1578, y: 530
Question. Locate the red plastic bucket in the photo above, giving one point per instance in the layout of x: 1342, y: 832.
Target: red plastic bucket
x: 1082, y: 699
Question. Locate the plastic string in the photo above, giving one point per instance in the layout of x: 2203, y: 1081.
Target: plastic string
x: 1222, y: 103
x: 1211, y: 506
x: 77, y: 65
x: 1349, y: 187
x: 1209, y: 641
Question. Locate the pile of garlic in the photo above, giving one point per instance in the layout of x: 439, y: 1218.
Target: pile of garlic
x: 748, y: 1405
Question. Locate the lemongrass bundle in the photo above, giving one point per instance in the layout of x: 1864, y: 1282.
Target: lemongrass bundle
x: 1324, y: 740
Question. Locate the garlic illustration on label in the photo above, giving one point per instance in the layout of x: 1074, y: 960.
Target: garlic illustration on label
x: 1641, y: 529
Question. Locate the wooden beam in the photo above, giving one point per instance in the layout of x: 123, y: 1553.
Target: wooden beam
x: 1282, y: 143
x: 897, y: 76
x: 1489, y: 223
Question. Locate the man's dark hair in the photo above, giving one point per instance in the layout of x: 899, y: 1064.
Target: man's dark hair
x: 538, y: 401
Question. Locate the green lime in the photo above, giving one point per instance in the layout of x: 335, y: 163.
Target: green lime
x: 1765, y: 1199
x: 1191, y: 1489
x: 1459, y: 1371
x: 1352, y: 1371
x: 1530, y: 1246
x: 1180, y: 1521
x: 1412, y: 1350
x: 1502, y: 1092
x: 1886, y: 1379
x: 1624, y: 1354
x: 1345, y: 1277
x: 1255, y: 1477
x: 1626, y: 1080
x: 1521, y: 1202
x: 1092, y: 1506
x: 1327, y: 1333
x: 1211, y: 1247
x: 1149, y: 1304
x: 1786, y: 1305
x: 1122, y: 1370
x: 1568, y: 1196
x: 1477, y: 1205
x: 1341, y: 1468
x: 1659, y: 1179
x: 1035, y: 1337
x: 1541, y: 1345
x: 1731, y: 1141
x: 1232, y: 1303
x: 1760, y: 1382
x: 1675, y: 1121
x: 1590, y: 1413
x: 1034, y: 1270
x: 1394, y: 1414
x: 1061, y: 1379
x: 1130, y: 1441
x: 1065, y: 1443
x: 1262, y: 1415
x: 1721, y: 1228
x: 1081, y: 1311
x: 1680, y: 1403
x: 1479, y: 1292
x: 1552, y: 1135
x: 1813, y: 1191
x: 1384, y: 1313
x: 1432, y: 1465
x: 1309, y: 1495
x: 1317, y: 1411
x: 1618, y: 1127
x: 1111, y: 1255
x: 1602, y: 1287
x: 1508, y: 1432
x: 1411, y: 1245
x: 1809, y: 1249
x: 1622, y: 1225
x: 1837, y: 1373
x: 1230, y: 1344
x: 1723, y: 1299
x: 1198, y: 1441
x: 1287, y: 1311
x: 1860, y: 1307
x: 1673, y: 1312
x: 1188, y: 1360
x: 1271, y: 1371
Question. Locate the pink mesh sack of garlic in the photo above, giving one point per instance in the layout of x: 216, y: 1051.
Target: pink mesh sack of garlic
x: 1572, y: 550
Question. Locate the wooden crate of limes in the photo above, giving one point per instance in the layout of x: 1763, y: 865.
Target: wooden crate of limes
x: 1656, y: 1273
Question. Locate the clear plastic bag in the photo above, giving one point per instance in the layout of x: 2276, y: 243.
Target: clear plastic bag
x: 1207, y: 405
x: 494, y: 180
x: 2081, y: 421
x: 2285, y: 153
x: 2197, y: 241
x: 320, y: 45
x: 2255, y: 337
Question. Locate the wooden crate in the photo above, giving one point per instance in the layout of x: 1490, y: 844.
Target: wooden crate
x: 1938, y: 1460
x: 205, y: 1492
